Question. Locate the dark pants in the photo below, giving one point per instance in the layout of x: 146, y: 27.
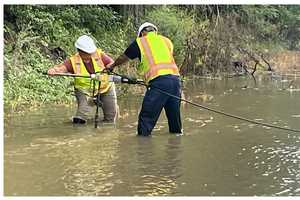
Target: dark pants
x: 154, y: 101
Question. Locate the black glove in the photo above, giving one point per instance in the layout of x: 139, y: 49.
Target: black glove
x: 108, y: 70
x: 129, y: 80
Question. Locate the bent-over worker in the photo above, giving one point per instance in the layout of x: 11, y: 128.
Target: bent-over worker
x: 89, y: 60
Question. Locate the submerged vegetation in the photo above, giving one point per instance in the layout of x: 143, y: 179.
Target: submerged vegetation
x: 207, y: 39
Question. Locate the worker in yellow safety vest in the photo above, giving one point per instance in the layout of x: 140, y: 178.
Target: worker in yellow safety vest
x: 89, y: 60
x: 159, y: 69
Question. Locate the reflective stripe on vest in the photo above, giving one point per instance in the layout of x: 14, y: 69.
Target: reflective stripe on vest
x: 85, y: 84
x: 153, y: 68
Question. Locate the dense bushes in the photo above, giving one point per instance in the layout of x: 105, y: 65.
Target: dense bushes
x: 173, y: 23
x: 206, y: 39
x: 38, y: 37
x: 239, y: 33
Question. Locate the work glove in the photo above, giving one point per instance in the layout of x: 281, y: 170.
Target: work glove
x: 108, y: 70
x: 128, y: 80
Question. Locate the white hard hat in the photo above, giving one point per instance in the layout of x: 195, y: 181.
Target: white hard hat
x: 86, y: 44
x: 144, y: 25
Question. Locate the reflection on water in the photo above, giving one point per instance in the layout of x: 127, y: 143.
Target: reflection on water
x: 44, y: 154
x: 281, y: 164
x: 157, y: 167
x: 89, y: 166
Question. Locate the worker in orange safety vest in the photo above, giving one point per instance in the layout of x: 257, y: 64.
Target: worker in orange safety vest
x: 89, y: 60
x: 157, y: 65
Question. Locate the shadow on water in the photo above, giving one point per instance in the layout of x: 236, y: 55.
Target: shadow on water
x: 45, y: 155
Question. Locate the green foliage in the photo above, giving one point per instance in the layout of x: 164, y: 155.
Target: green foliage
x: 114, y: 41
x: 273, y: 23
x: 175, y: 24
x: 205, y: 39
x: 33, y: 32
x: 261, y: 19
x: 27, y: 86
x: 289, y: 22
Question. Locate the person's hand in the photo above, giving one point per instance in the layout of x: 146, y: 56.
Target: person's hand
x: 129, y: 80
x: 51, y: 71
x: 108, y: 69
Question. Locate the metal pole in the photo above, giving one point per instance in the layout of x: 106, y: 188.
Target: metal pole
x: 98, y: 103
x: 67, y: 74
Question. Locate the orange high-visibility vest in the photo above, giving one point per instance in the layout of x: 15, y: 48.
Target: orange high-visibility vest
x: 156, y: 56
x: 85, y: 84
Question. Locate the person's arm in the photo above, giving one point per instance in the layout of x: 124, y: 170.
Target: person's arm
x: 130, y: 53
x: 57, y: 69
x: 61, y: 68
x: 106, y: 59
x: 119, y: 61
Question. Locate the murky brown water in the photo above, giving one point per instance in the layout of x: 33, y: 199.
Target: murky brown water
x: 45, y: 155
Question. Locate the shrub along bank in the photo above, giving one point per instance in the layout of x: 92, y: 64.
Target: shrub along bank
x: 206, y: 40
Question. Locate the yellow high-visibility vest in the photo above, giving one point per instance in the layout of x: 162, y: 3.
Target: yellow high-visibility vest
x: 85, y: 84
x: 156, y: 56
